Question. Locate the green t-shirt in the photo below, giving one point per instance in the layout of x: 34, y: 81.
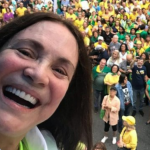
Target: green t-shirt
x: 121, y: 37
x: 132, y: 37
x: 143, y: 34
x: 148, y: 83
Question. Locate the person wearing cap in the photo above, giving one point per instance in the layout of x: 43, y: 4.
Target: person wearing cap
x: 111, y: 105
x: 138, y: 38
x: 128, y: 137
x: 101, y: 42
x: 98, y: 74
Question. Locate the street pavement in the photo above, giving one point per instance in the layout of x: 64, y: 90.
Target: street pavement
x: 143, y: 131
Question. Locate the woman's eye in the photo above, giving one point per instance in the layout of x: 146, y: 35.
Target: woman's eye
x: 26, y: 53
x: 60, y: 71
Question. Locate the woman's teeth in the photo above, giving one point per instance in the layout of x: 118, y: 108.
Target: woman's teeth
x: 22, y: 95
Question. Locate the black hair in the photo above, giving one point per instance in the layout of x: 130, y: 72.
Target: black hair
x: 121, y: 78
x: 113, y: 66
x: 125, y: 46
x: 72, y: 121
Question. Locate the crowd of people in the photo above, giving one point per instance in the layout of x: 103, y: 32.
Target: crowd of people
x: 116, y: 34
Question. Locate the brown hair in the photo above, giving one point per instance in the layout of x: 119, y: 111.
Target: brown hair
x: 72, y: 121
x: 99, y: 145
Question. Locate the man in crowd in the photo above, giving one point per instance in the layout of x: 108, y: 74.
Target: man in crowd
x: 99, y: 73
x: 20, y: 11
x: 138, y: 83
x: 125, y: 65
x: 114, y: 44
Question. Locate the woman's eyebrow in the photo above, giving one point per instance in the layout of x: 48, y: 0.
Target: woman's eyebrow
x: 63, y: 60
x: 27, y: 42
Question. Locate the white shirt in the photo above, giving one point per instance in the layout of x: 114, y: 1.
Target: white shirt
x: 39, y: 140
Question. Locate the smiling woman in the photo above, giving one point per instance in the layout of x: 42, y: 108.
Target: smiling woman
x: 43, y: 63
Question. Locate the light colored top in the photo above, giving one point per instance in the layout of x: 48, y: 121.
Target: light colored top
x: 39, y: 140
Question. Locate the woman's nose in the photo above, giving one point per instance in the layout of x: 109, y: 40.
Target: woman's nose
x: 37, y: 75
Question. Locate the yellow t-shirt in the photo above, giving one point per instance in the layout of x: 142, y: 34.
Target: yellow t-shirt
x: 104, y: 45
x: 79, y: 23
x: 72, y: 16
x: 20, y: 11
x: 133, y: 16
x: 129, y: 138
x: 77, y: 5
x: 86, y: 41
x: 146, y: 45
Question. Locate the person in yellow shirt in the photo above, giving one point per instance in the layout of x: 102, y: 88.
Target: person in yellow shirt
x: 77, y: 4
x: 133, y: 15
x: 102, y: 11
x: 103, y: 3
x: 101, y: 42
x: 71, y: 16
x: 5, y: 5
x: 79, y: 22
x: 139, y: 49
x: 128, y: 136
x: 86, y: 39
x: 21, y: 10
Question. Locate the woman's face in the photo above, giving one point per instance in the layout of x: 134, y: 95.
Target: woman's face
x: 133, y: 31
x: 125, y: 123
x: 114, y: 69
x: 111, y: 19
x: 143, y: 56
x: 120, y: 30
x: 123, y: 47
x: 40, y: 64
x: 8, y: 10
x: 125, y: 80
x: 117, y: 23
x: 127, y: 38
x: 115, y: 55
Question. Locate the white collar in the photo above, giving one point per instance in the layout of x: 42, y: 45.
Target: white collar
x: 39, y: 140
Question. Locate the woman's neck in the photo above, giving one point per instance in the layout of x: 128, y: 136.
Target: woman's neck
x: 9, y: 143
x: 123, y: 84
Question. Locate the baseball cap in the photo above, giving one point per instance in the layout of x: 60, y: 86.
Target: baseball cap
x: 113, y: 88
x: 129, y: 119
x: 100, y: 38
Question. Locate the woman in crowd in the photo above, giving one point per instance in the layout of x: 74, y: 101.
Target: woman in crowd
x: 115, y: 28
x: 147, y: 91
x: 8, y: 16
x: 111, y: 21
x: 128, y: 136
x: 36, y: 63
x: 125, y: 95
x: 114, y: 59
x: 99, y: 146
x: 129, y: 42
x: 138, y: 38
x: 111, y: 105
x: 132, y: 34
x: 123, y: 51
x: 112, y: 78
x: 121, y: 34
x: 144, y: 56
x: 147, y: 43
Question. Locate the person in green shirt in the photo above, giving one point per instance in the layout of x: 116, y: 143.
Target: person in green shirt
x: 98, y: 74
x: 121, y: 34
x: 94, y: 38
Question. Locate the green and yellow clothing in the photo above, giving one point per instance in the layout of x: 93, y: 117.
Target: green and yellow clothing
x: 146, y: 45
x: 141, y: 50
x: 121, y: 37
x: 92, y: 22
x: 143, y: 34
x: 111, y: 78
x: 132, y: 37
x: 133, y: 17
x: 129, y: 138
x: 128, y: 28
x: 94, y: 39
x: 96, y: 71
x: 104, y: 45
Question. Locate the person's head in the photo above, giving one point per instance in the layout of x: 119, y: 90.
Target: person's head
x: 71, y: 10
x: 121, y: 30
x: 95, y: 34
x: 8, y: 10
x: 138, y: 34
x: 117, y: 23
x: 127, y: 37
x: 21, y: 5
x: 41, y: 61
x: 114, y: 68
x: 111, y: 19
x: 102, y: 63
x: 99, y: 146
x: 129, y: 58
x: 140, y: 62
x: 132, y: 31
x: 147, y: 38
x: 100, y: 40
x: 115, y: 39
x: 115, y: 54
x: 113, y: 91
x: 139, y: 44
x: 125, y: 17
x: 134, y: 10
x: 144, y: 56
x: 107, y: 29
x: 123, y: 47
x: 128, y: 121
x: 123, y: 79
